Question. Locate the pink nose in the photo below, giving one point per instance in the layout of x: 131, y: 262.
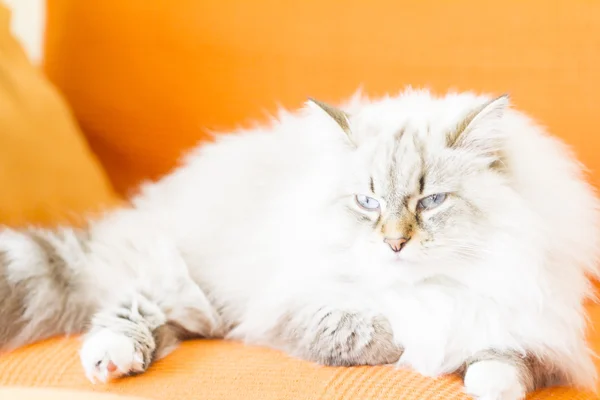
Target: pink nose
x: 396, y: 244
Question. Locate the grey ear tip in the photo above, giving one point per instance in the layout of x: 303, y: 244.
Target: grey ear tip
x: 315, y: 101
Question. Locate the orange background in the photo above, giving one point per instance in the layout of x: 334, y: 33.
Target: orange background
x: 146, y: 78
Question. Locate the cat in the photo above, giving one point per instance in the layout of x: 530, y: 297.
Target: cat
x: 447, y: 234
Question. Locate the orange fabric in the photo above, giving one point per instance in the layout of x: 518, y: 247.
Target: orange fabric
x: 46, y: 167
x: 55, y: 394
x: 146, y: 77
x: 218, y: 370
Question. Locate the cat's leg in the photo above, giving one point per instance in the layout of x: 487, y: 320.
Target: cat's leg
x: 151, y: 309
x: 126, y: 338
x: 507, y: 375
x: 338, y: 336
x: 329, y: 333
x: 123, y: 339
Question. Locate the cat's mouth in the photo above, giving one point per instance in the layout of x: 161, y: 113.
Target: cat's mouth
x: 409, y: 257
x: 400, y: 257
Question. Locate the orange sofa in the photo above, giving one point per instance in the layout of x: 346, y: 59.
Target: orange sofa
x: 146, y: 79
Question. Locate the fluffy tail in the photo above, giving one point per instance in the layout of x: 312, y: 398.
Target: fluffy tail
x: 43, y: 292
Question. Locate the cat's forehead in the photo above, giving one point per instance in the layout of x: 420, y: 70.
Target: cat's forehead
x: 399, y: 161
x: 407, y: 136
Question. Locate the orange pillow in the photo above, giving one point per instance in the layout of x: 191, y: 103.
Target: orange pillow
x: 46, y: 168
x: 57, y: 394
x: 146, y: 77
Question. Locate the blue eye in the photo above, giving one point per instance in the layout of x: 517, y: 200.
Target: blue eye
x: 431, y: 202
x: 366, y: 202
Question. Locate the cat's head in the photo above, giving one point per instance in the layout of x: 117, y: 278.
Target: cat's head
x: 428, y: 179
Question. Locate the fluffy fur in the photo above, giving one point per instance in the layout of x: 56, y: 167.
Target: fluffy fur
x: 259, y: 237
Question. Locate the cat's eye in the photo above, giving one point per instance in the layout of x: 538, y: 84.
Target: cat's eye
x: 366, y: 202
x: 431, y: 202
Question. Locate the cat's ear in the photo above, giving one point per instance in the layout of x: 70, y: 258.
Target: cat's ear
x: 479, y: 131
x: 339, y: 116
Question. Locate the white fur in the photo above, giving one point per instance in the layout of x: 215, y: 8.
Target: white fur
x: 27, y: 264
x: 104, y: 348
x: 259, y: 220
x: 494, y: 380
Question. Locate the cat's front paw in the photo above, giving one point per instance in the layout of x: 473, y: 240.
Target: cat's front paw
x: 351, y: 338
x: 107, y: 355
x: 494, y: 380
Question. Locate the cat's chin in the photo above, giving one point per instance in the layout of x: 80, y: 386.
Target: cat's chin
x: 404, y: 267
x: 411, y: 269
x: 398, y: 258
x: 412, y: 273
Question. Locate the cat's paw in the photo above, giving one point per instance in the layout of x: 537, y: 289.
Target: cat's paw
x: 351, y: 338
x: 107, y: 355
x: 494, y: 380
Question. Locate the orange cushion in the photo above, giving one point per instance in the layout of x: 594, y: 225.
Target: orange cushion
x: 146, y: 77
x: 219, y: 370
x: 56, y: 394
x: 46, y: 168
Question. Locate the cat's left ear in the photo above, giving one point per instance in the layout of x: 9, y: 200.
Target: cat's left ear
x: 339, y: 116
x: 480, y: 130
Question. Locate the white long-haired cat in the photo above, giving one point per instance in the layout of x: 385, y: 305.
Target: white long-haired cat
x: 450, y: 235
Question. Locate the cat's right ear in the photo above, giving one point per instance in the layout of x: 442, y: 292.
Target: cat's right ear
x: 339, y: 116
x: 481, y: 130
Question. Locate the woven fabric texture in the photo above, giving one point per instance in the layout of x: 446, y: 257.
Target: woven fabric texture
x: 57, y: 394
x: 219, y: 370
